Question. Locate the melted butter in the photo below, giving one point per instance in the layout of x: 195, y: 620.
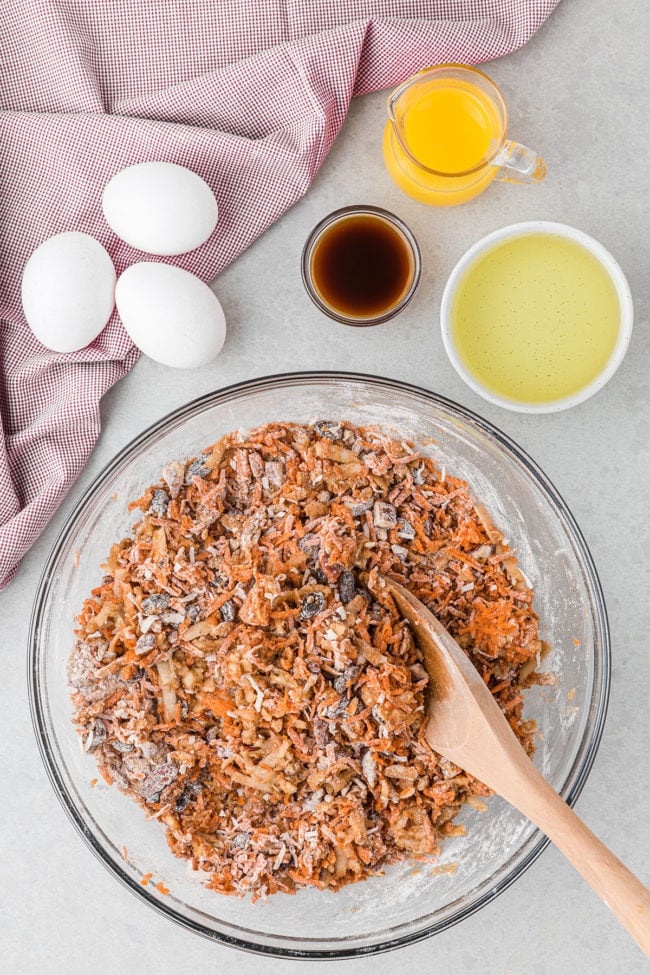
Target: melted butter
x: 536, y: 318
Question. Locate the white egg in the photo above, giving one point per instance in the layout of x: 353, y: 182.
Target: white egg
x: 160, y: 208
x: 68, y: 291
x: 170, y: 314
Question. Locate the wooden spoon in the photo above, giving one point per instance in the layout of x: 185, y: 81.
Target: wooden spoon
x: 466, y: 726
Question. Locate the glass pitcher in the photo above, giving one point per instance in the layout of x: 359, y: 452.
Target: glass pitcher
x: 445, y: 139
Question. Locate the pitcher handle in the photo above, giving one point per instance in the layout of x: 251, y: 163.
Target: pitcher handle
x: 519, y: 164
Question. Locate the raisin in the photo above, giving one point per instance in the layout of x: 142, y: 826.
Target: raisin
x: 329, y: 429
x: 312, y: 604
x: 145, y: 643
x: 159, y: 503
x: 228, y: 611
x: 347, y: 586
x: 157, y: 603
x: 309, y: 544
x: 197, y: 468
x: 348, y: 675
x: 96, y: 735
x: 182, y: 802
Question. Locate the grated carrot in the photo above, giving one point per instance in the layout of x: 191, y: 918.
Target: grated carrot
x: 240, y: 674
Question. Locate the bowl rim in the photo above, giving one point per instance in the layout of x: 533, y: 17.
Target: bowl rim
x: 576, y: 777
x: 593, y: 247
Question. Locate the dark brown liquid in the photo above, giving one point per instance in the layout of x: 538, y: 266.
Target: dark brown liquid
x: 361, y: 266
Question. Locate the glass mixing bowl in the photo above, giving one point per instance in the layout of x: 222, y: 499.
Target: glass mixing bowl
x: 405, y: 904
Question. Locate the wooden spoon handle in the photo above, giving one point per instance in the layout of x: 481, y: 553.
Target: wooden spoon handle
x: 620, y: 890
x: 466, y: 725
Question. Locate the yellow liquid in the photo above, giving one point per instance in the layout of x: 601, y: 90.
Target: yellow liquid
x: 451, y: 126
x: 536, y: 318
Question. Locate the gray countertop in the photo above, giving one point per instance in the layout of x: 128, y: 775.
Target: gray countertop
x: 579, y: 92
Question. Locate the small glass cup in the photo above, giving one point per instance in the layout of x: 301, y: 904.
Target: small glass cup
x: 403, y: 240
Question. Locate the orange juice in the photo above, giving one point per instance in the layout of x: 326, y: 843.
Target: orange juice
x: 450, y: 126
x: 445, y: 136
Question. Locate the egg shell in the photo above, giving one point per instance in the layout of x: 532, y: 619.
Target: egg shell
x: 160, y: 208
x: 68, y: 291
x: 170, y: 314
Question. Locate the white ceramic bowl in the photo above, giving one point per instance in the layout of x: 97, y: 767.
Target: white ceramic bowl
x: 600, y: 253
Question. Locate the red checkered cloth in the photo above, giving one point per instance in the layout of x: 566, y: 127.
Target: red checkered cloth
x: 250, y: 94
